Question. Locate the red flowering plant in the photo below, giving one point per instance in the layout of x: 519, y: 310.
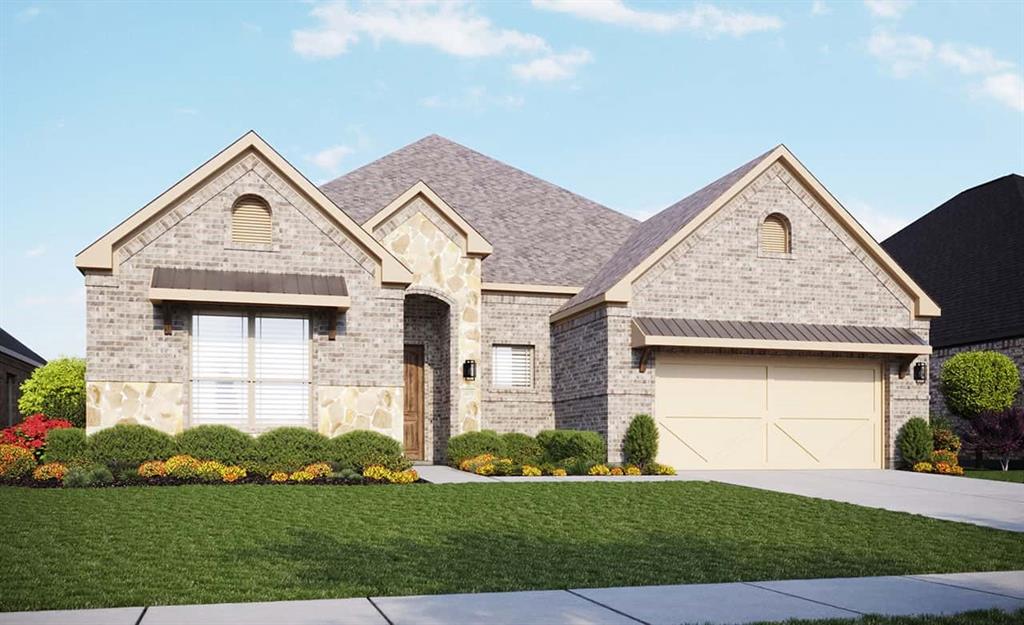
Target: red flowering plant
x: 31, y: 433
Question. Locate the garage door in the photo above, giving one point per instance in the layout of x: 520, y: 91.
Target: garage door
x: 768, y: 413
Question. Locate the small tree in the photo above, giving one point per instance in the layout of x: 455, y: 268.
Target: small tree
x: 974, y: 382
x: 641, y: 443
x: 915, y: 441
x: 57, y: 390
x: 998, y: 431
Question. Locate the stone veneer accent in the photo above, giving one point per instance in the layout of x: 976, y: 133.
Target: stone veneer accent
x: 341, y: 409
x: 125, y: 339
x: 158, y: 405
x: 439, y: 264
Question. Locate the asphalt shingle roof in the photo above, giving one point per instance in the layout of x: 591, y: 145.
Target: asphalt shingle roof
x: 541, y: 233
x: 19, y: 350
x: 968, y: 255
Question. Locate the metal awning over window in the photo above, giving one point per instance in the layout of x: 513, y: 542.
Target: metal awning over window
x: 242, y: 287
x: 661, y: 332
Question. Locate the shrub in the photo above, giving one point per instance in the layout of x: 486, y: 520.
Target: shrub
x: 948, y: 469
x: 974, y: 382
x: 558, y: 472
x: 66, y: 445
x: 915, y: 441
x: 403, y: 477
x: 484, y: 464
x: 598, y: 469
x: 633, y: 470
x: 288, y: 449
x: 641, y: 442
x: 383, y: 474
x: 530, y: 471
x: 616, y: 471
x: 182, y: 467
x: 279, y: 476
x: 215, y: 442
x: 943, y: 456
x: 16, y: 461
x: 49, y: 471
x: 301, y: 476
x: 945, y: 439
x: 210, y: 471
x: 361, y: 448
x: 659, y: 469
x: 88, y: 475
x: 562, y: 444
x: 1000, y: 432
x: 32, y: 432
x: 923, y: 467
x: 232, y: 473
x: 319, y: 469
x: 129, y: 445
x: 521, y: 449
x: 57, y: 389
x: 153, y: 468
x: 473, y: 444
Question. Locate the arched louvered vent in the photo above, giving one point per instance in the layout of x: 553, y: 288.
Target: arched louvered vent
x: 775, y: 234
x: 250, y: 220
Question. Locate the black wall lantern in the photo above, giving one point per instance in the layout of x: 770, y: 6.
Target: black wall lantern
x: 469, y: 370
x: 920, y: 372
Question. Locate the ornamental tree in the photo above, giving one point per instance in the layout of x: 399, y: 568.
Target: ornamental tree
x: 974, y: 382
x: 57, y: 390
x: 1000, y: 432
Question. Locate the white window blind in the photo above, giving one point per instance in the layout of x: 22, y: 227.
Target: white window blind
x: 250, y: 370
x: 220, y: 364
x: 512, y: 365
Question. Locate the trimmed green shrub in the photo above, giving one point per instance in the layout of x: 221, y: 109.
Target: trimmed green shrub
x: 57, y: 390
x: 287, y: 449
x: 215, y: 442
x: 67, y: 446
x: 16, y: 462
x: 361, y: 448
x: 522, y: 449
x: 473, y: 444
x: 582, y: 444
x: 915, y: 441
x: 83, y: 476
x: 641, y: 442
x: 129, y: 445
x: 973, y: 382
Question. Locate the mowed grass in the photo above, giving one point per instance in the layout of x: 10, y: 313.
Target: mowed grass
x: 205, y: 544
x: 980, y: 617
x: 1013, y: 475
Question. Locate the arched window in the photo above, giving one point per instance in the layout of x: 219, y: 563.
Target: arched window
x: 775, y: 235
x: 250, y: 220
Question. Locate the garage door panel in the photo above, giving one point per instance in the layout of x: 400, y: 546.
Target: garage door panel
x: 710, y: 442
x: 692, y: 390
x: 822, y: 392
x: 822, y: 443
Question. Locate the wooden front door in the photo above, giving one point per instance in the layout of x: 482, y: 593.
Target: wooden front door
x: 414, y: 402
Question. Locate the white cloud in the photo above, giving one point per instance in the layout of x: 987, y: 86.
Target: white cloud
x: 818, y: 7
x: 705, y: 19
x: 450, y: 26
x: 889, y: 9
x: 881, y: 224
x: 971, y: 60
x: 1006, y: 88
x: 902, y: 54
x: 472, y: 99
x: 330, y: 158
x: 35, y: 252
x: 554, y: 66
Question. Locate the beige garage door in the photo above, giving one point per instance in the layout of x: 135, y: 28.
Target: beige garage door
x: 768, y: 413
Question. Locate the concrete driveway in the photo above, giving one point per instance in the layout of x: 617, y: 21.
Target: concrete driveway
x: 982, y: 502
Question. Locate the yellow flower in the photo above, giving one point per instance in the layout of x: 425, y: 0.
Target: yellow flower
x: 153, y: 468
x: 49, y: 471
x: 530, y: 471
x: 598, y: 469
x: 279, y: 477
x: 632, y: 470
x: 301, y: 476
x: 319, y: 469
x: 232, y: 473
x: 558, y: 472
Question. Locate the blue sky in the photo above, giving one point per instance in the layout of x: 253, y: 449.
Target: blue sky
x: 895, y: 106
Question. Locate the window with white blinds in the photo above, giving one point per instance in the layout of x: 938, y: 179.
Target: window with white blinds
x: 775, y: 234
x: 250, y: 220
x: 512, y: 365
x: 250, y: 370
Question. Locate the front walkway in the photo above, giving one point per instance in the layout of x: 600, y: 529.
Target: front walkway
x: 982, y: 502
x: 644, y: 605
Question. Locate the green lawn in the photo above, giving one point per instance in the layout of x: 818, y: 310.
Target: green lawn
x: 1013, y: 475
x: 984, y: 617
x: 205, y: 544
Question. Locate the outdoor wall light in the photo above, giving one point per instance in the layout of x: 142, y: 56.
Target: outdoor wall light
x: 469, y: 370
x: 920, y: 372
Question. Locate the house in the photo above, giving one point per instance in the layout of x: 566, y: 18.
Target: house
x: 17, y: 362
x: 967, y: 254
x: 437, y: 291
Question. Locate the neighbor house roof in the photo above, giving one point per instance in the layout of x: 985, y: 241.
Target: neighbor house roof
x: 16, y: 349
x: 968, y: 254
x: 541, y: 234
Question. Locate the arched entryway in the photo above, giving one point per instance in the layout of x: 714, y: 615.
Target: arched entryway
x: 428, y: 377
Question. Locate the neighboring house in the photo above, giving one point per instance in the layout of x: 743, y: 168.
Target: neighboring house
x: 17, y: 362
x: 437, y: 291
x: 969, y: 255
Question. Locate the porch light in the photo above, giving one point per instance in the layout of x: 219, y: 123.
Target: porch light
x: 920, y: 372
x: 469, y: 370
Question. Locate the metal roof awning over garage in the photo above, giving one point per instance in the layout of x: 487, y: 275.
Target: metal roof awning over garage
x: 662, y: 332
x: 248, y: 288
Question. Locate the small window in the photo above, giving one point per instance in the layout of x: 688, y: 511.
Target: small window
x: 250, y: 220
x: 775, y: 236
x: 512, y: 366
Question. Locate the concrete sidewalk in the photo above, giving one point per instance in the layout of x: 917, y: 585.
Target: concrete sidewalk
x: 742, y: 602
